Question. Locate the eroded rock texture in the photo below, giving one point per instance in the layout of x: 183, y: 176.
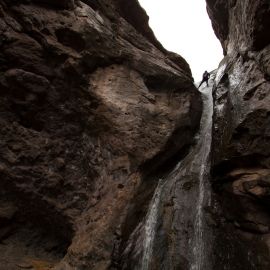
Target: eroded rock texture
x: 90, y: 103
x: 241, y: 148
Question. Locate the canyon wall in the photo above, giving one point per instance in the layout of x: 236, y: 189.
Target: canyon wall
x: 91, y: 105
x: 94, y: 111
x: 241, y: 134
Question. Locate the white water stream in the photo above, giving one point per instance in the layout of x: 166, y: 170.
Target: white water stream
x: 199, y: 164
x: 200, y: 261
x: 150, y: 225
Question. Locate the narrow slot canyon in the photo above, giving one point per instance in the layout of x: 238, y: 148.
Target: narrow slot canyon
x: 114, y: 156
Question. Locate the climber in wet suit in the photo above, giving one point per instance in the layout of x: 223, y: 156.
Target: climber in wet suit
x: 205, y: 78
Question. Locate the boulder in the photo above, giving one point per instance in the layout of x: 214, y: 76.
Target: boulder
x: 91, y: 104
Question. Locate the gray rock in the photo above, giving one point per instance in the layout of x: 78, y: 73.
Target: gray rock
x: 241, y: 147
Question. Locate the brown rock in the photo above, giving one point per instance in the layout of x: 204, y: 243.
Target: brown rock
x: 90, y: 103
x: 19, y: 80
x: 25, y: 265
x: 7, y: 211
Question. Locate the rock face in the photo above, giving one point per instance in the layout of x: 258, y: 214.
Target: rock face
x: 241, y: 147
x: 91, y: 104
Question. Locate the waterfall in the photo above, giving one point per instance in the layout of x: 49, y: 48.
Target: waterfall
x: 195, y: 166
x: 150, y: 225
x: 203, y: 148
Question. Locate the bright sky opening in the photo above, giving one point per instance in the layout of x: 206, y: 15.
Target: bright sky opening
x: 185, y: 28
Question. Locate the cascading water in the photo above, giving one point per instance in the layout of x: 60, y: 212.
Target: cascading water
x: 203, y: 148
x: 194, y: 166
x: 150, y: 225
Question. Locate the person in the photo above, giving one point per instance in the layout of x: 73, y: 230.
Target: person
x: 205, y: 78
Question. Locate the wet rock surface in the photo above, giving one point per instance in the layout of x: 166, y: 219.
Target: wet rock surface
x: 176, y: 232
x: 241, y: 134
x: 89, y: 99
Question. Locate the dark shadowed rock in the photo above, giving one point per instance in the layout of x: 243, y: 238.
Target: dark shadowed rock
x: 89, y: 99
x: 241, y: 148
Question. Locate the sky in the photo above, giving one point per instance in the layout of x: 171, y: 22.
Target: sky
x: 183, y: 26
